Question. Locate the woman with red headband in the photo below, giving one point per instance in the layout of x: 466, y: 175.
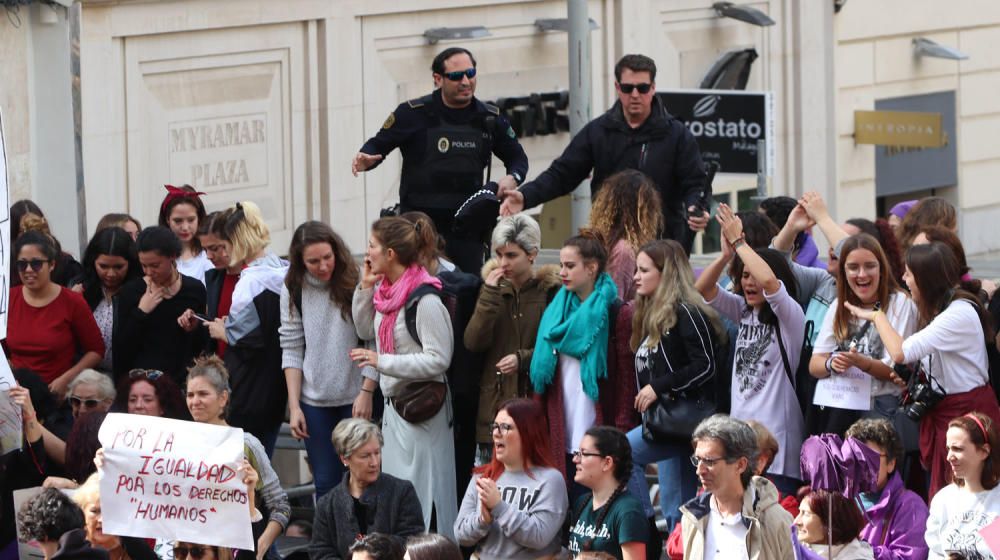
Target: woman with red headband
x: 182, y: 211
x: 961, y: 509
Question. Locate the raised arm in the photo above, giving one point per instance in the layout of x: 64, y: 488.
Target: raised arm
x: 815, y: 207
x: 797, y: 222
x: 732, y: 232
x: 708, y: 283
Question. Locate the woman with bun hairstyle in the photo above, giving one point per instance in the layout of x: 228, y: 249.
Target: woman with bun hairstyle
x: 574, y: 368
x: 496, y: 516
x: 182, y: 211
x: 972, y: 501
x: 424, y: 452
x: 608, y: 519
x: 317, y: 332
x: 147, y: 334
x: 948, y: 350
x: 50, y: 329
x: 771, y: 330
x: 675, y: 336
x: 208, y: 394
x: 250, y: 329
x: 505, y: 322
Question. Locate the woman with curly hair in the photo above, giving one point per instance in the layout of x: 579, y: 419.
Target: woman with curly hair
x: 626, y: 214
x: 149, y: 392
x: 932, y: 210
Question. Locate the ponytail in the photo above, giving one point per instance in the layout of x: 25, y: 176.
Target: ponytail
x: 409, y: 240
x: 246, y: 231
x: 591, y: 245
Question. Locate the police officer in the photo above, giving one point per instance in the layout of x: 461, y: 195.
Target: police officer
x: 447, y: 139
x: 636, y: 133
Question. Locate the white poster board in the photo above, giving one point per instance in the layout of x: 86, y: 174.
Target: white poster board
x: 26, y: 550
x: 11, y: 423
x: 174, y: 480
x: 5, y: 240
x: 851, y: 390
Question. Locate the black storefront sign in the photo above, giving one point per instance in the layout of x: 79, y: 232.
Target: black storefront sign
x: 727, y: 125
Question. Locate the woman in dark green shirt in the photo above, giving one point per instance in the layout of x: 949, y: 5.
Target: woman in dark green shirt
x: 607, y: 519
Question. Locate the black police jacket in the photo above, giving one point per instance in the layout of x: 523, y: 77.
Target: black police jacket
x: 662, y: 147
x: 445, y: 151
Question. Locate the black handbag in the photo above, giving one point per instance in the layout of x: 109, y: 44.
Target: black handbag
x: 420, y: 401
x: 674, y: 416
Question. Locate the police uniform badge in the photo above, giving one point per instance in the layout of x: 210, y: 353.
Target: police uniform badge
x: 389, y: 121
x: 443, y: 144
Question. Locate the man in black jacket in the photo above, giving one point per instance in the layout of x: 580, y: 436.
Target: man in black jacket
x: 636, y: 133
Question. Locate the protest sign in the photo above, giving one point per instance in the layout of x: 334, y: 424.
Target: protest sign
x: 5, y: 239
x: 26, y: 550
x: 174, y: 480
x: 11, y: 424
x: 851, y: 390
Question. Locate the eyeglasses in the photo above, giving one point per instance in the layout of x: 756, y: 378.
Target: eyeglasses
x: 457, y: 75
x: 195, y: 552
x: 579, y: 455
x: 77, y: 402
x: 35, y: 264
x: 710, y: 463
x: 504, y: 428
x: 150, y: 374
x: 628, y: 88
x: 853, y: 269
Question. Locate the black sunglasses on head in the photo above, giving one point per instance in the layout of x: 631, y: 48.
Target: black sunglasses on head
x: 627, y: 88
x: 35, y: 264
x: 457, y: 75
x: 150, y: 374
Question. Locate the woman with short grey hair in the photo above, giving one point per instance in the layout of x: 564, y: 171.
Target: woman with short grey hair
x: 90, y: 390
x: 366, y: 500
x: 505, y: 322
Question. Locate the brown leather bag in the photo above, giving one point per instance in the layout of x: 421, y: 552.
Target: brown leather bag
x: 420, y: 401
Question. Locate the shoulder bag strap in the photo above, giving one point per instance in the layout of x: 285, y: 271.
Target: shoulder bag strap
x: 784, y: 355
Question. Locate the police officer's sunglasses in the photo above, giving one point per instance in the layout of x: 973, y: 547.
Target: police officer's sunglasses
x: 627, y: 88
x: 459, y: 74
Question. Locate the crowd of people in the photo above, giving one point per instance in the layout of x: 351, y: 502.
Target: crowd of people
x: 518, y: 410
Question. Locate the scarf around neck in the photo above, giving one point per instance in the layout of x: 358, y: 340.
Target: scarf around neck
x: 577, y: 329
x: 390, y: 297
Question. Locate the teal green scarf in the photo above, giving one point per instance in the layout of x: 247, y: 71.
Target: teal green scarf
x: 576, y: 329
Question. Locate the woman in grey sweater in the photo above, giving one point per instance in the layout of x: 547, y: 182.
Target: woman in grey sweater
x: 317, y: 332
x: 424, y: 452
x: 515, y: 505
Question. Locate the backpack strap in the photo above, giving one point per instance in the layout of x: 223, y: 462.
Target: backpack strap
x: 784, y: 355
x: 410, y: 308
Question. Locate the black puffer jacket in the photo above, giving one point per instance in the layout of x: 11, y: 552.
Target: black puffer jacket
x: 662, y: 148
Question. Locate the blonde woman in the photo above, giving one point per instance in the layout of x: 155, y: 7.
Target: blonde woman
x: 674, y: 336
x: 626, y: 215
x: 253, y: 352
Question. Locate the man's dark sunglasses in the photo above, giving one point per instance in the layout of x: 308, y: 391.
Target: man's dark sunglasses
x: 35, y: 264
x: 627, y: 88
x: 459, y: 74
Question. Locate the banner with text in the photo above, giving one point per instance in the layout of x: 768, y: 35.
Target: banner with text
x: 174, y: 480
x: 11, y: 423
x: 5, y: 240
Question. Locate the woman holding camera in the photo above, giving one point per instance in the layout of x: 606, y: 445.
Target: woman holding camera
x: 947, y: 353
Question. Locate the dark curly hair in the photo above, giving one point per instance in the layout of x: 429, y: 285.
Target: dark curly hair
x: 47, y: 516
x: 167, y: 392
x: 380, y: 546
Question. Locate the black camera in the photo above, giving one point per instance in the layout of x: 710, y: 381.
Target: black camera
x: 923, y: 391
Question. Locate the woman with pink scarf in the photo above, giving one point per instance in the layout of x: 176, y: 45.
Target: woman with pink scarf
x: 424, y: 452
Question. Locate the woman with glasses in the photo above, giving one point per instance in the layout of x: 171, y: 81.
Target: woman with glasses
x: 109, y: 262
x: 50, y: 329
x: 208, y: 395
x: 947, y: 352
x: 151, y: 393
x: 852, y: 346
x: 608, y: 518
x: 366, y: 501
x: 147, y: 334
x: 185, y: 550
x: 515, y: 505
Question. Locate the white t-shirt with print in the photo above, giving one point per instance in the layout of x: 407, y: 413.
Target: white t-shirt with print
x: 955, y: 519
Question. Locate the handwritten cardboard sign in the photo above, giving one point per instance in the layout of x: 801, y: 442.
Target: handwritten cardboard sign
x: 174, y: 480
x: 851, y: 390
x: 11, y: 424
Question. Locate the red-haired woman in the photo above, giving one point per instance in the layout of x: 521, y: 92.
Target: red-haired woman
x: 972, y: 501
x: 182, y: 211
x: 516, y: 504
x: 150, y: 392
